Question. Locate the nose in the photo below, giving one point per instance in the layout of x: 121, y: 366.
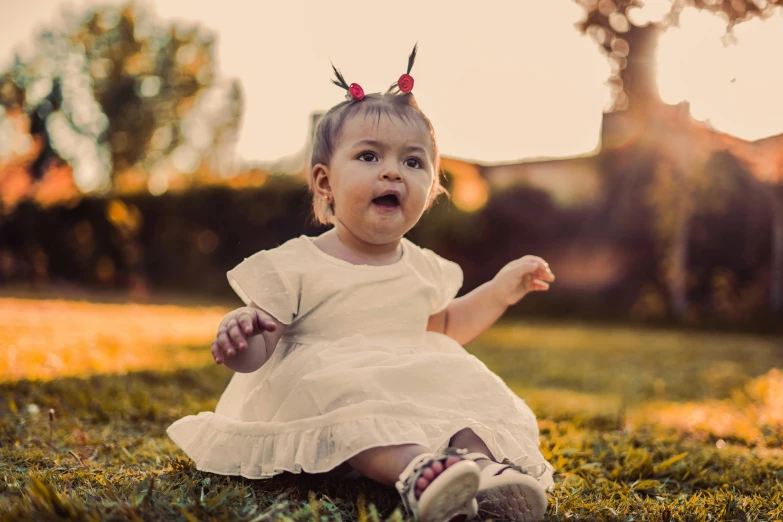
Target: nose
x: 391, y: 174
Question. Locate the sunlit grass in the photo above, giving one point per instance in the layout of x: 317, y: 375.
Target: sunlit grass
x: 49, y: 339
x: 709, y: 386
x: 640, y: 425
x: 639, y: 364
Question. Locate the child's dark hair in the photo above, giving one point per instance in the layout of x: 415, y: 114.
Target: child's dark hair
x: 327, y: 133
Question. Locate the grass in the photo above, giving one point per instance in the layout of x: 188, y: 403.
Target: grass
x: 640, y: 425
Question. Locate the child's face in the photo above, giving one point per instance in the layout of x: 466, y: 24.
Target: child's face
x: 401, y: 160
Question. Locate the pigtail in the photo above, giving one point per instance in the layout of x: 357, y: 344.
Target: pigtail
x: 405, y: 82
x: 340, y: 82
x: 354, y: 90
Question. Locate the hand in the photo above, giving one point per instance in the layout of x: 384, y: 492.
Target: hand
x: 521, y: 276
x: 235, y: 328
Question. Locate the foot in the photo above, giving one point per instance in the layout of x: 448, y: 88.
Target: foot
x: 429, y: 474
x: 440, y: 486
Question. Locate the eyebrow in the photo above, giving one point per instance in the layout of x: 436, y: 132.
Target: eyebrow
x: 383, y: 146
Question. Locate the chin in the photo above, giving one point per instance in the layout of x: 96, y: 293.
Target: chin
x: 385, y: 234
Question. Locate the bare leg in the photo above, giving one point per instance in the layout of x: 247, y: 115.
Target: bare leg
x: 384, y: 464
x: 468, y: 439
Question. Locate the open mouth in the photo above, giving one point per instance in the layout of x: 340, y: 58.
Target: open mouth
x: 387, y: 201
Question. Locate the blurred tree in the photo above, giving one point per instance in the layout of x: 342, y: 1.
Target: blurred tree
x: 226, y: 118
x: 629, y: 39
x: 117, y: 93
x: 128, y: 103
x: 764, y: 159
x: 52, y: 102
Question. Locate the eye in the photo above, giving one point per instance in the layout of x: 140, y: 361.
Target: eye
x: 365, y: 153
x: 418, y: 162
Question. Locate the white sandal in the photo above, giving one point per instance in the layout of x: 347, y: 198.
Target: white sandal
x: 451, y: 495
x: 509, y: 495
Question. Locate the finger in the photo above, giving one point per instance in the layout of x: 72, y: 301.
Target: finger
x: 527, y: 282
x: 532, y: 284
x: 264, y: 323
x: 245, y: 321
x: 528, y: 266
x: 216, y: 352
x: 533, y: 258
x: 225, y: 343
x: 536, y: 266
x: 540, y: 260
x: 236, y: 335
x: 544, y: 273
x: 539, y: 286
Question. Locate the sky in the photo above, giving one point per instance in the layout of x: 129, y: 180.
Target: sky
x: 511, y: 81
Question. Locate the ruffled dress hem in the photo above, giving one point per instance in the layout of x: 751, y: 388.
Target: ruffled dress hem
x: 216, y: 446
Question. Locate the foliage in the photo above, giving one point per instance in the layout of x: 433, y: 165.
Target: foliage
x: 114, y: 90
x: 601, y: 395
x: 170, y: 241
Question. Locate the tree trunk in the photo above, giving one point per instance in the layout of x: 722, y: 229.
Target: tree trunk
x: 776, y: 276
x: 640, y: 80
x: 678, y: 269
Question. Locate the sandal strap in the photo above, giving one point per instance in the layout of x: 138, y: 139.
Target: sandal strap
x: 414, y: 470
x: 475, y: 456
x: 511, y: 465
x: 506, y: 462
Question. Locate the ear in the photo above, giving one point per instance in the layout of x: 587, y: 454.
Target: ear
x: 320, y: 176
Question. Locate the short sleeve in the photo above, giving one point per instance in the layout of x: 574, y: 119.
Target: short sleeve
x: 259, y: 280
x: 448, y: 278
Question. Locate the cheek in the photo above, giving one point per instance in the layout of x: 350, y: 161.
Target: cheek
x: 356, y: 195
x: 424, y: 185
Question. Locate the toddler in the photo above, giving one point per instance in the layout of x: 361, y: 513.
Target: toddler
x: 349, y: 353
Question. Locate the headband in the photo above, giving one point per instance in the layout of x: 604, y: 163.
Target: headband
x: 355, y: 92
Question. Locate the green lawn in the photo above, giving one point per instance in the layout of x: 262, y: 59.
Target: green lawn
x: 639, y: 424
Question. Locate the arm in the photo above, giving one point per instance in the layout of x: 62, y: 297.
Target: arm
x: 466, y: 317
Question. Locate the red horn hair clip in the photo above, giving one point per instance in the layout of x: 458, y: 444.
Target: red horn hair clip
x: 355, y: 91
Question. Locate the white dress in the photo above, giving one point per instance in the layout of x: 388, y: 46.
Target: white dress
x: 355, y: 369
